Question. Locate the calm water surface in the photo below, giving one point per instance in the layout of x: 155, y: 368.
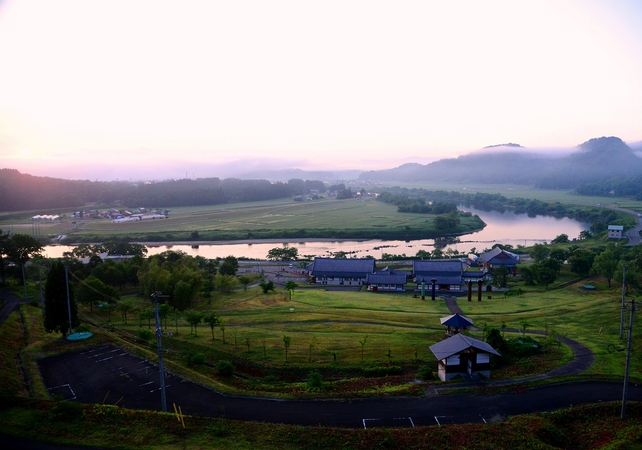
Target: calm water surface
x: 505, y: 228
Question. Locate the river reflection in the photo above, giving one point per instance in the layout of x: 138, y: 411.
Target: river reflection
x: 505, y: 228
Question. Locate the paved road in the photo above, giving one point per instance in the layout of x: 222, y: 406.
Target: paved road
x: 91, y: 375
x: 11, y: 303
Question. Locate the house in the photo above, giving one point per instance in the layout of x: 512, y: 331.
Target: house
x: 386, y: 280
x: 615, y: 231
x: 447, y: 273
x: 462, y: 355
x: 341, y: 271
x: 456, y: 324
x: 498, y: 258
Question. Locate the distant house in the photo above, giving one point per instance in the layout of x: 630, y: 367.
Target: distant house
x: 341, y: 271
x: 386, y: 280
x: 462, y: 355
x: 615, y: 231
x: 498, y: 258
x: 446, y: 272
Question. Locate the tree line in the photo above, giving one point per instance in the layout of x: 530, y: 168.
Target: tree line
x: 597, y: 216
x: 19, y: 192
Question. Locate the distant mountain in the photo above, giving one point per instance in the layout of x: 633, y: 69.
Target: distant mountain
x: 598, y: 158
x: 510, y: 144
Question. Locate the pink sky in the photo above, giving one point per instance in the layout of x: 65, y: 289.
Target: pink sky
x: 180, y: 86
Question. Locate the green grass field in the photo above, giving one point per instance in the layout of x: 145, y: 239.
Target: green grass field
x: 366, y: 218
x: 326, y: 327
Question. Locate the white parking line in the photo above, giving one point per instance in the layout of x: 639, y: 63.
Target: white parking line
x: 68, y: 387
x: 145, y: 384
x: 437, y: 420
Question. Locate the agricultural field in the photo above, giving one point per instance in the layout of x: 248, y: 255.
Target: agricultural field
x: 354, y: 218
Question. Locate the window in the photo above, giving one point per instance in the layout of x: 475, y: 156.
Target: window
x: 453, y: 360
x: 483, y: 358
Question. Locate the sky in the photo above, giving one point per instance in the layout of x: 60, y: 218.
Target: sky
x: 166, y: 89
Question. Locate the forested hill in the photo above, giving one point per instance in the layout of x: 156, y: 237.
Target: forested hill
x: 597, y: 159
x: 20, y: 191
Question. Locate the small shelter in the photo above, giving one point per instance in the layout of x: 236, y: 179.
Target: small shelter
x: 456, y: 323
x: 462, y: 355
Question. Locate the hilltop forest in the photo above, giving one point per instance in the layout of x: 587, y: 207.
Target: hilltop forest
x: 600, y: 166
x: 20, y: 191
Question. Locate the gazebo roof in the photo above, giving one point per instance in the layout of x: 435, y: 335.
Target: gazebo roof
x: 457, y: 344
x: 456, y: 321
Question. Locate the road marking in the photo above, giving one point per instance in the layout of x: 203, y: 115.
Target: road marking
x: 145, y: 384
x: 68, y: 387
x: 437, y: 420
x: 483, y: 418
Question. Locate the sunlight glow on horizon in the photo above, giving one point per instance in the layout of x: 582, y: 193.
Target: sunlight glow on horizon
x: 350, y: 84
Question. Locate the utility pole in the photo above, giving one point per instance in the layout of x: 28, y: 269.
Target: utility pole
x: 625, y: 390
x: 71, y: 330
x: 159, y: 333
x: 624, y: 266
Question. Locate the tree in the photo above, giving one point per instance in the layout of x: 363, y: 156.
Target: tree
x: 226, y: 283
x: 286, y: 344
x: 20, y: 248
x: 500, y: 276
x: 126, y: 306
x: 245, y: 281
x: 221, y: 326
x: 56, y: 311
x: 605, y: 264
x: 266, y: 287
x: 91, y: 290
x: 363, y: 344
x: 193, y: 318
x: 545, y: 275
x: 290, y: 286
x: 229, y: 266
x: 581, y: 261
x: 212, y: 319
x: 4, y: 242
x: 561, y: 239
x: 524, y: 323
x: 539, y: 252
x: 283, y: 254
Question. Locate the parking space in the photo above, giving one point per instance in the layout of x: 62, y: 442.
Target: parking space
x: 392, y: 422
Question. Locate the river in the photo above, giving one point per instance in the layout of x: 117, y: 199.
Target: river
x: 505, y: 228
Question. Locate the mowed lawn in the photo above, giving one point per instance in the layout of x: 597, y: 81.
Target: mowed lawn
x: 324, y: 325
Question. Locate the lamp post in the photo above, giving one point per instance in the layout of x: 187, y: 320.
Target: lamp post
x: 423, y: 289
x: 434, y: 280
x: 159, y: 333
x: 625, y: 390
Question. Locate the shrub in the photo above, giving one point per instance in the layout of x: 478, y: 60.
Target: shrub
x: 195, y: 359
x: 315, y: 381
x: 66, y: 411
x: 225, y: 368
x: 144, y: 335
x: 384, y: 371
x: 425, y: 373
